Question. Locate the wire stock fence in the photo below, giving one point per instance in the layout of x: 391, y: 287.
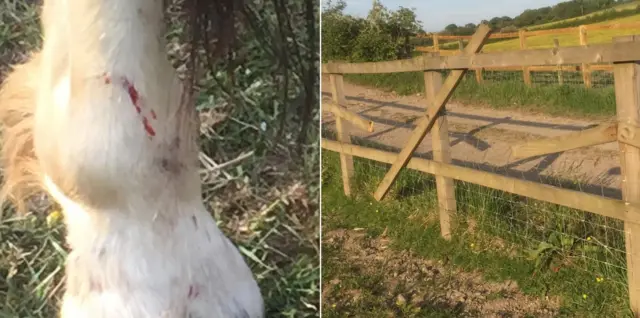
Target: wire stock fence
x: 558, y: 200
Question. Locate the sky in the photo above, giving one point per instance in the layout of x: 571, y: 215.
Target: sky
x: 436, y: 14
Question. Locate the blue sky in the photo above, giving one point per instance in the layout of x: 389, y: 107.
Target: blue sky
x: 436, y: 14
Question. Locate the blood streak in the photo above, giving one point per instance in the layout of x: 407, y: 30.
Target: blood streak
x: 147, y: 126
x: 135, y: 100
x: 193, y: 292
x: 133, y: 94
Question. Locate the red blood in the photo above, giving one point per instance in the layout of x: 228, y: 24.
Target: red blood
x: 135, y: 100
x: 133, y: 94
x: 148, y: 127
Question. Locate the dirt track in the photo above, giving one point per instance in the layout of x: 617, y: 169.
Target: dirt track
x: 481, y: 138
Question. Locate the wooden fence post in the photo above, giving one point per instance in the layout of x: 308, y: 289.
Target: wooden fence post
x: 342, y: 131
x: 556, y: 44
x: 627, y: 88
x: 586, y: 73
x: 526, y: 73
x: 436, y: 43
x: 441, y: 152
x: 479, y: 75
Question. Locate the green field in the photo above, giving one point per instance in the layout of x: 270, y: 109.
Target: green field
x: 506, y: 90
x: 550, y: 251
x: 622, y: 7
x: 546, y: 41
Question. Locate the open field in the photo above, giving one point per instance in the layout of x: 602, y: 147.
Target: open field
x: 622, y: 7
x: 567, y: 39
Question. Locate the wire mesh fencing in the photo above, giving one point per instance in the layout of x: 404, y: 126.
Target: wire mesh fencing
x: 585, y: 249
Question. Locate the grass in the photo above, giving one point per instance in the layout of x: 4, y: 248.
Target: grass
x: 506, y: 90
x: 494, y: 233
x: 268, y: 204
x: 622, y: 7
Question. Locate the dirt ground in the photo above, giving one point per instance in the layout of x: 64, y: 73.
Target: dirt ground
x: 415, y: 283
x: 481, y: 138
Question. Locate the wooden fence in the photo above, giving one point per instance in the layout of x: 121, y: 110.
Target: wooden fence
x: 581, y: 32
x: 623, y: 54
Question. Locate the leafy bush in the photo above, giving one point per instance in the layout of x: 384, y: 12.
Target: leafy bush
x: 382, y: 35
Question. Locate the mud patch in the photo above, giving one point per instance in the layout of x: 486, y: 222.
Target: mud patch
x: 408, y: 285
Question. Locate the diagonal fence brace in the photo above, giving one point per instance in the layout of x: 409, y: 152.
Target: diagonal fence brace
x: 425, y: 124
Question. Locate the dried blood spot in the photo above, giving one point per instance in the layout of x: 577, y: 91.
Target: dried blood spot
x: 195, y: 221
x: 193, y: 292
x: 153, y: 114
x: 106, y: 77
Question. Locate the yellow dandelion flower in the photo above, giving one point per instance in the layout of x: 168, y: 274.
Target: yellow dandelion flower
x: 584, y: 296
x: 334, y: 305
x: 54, y: 217
x: 589, y: 238
x: 472, y: 245
x: 599, y: 279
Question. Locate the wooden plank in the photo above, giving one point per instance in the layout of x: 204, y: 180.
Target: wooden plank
x: 436, y: 43
x: 564, y: 68
x: 601, y: 67
x: 590, y: 137
x: 349, y: 116
x: 614, y: 26
x: 594, y: 53
x: 526, y: 73
x: 611, y: 26
x: 573, y: 199
x: 441, y: 153
x: 342, y: 132
x: 552, y: 31
x: 627, y: 88
x: 427, y: 121
x: 453, y: 37
x: 505, y: 35
x: 586, y: 74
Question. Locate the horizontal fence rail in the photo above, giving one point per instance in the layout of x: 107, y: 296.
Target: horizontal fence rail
x: 596, y: 53
x: 581, y: 32
x: 623, y: 55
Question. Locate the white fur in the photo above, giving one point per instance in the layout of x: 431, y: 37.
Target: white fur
x: 140, y: 235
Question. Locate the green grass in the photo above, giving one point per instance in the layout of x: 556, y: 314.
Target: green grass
x: 518, y: 224
x: 622, y: 7
x: 506, y: 90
